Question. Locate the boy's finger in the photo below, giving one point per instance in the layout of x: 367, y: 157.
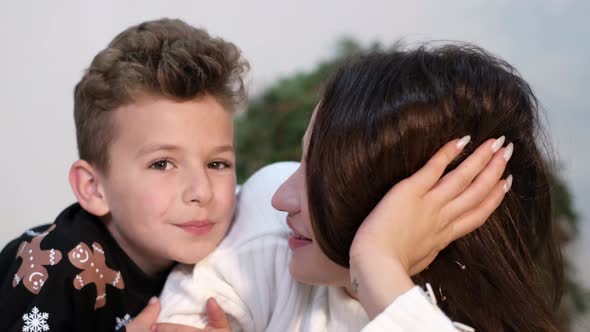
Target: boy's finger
x: 480, y: 188
x: 455, y: 182
x: 478, y: 216
x: 148, y: 316
x: 215, y: 314
x: 427, y: 176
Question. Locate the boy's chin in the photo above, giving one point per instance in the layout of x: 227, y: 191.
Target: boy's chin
x: 194, y: 255
x: 197, y: 248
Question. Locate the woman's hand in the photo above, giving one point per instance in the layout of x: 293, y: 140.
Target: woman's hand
x: 421, y: 215
x: 216, y: 317
x: 146, y: 320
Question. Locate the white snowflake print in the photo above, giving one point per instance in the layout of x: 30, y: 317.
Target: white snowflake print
x: 121, y: 322
x: 35, y: 321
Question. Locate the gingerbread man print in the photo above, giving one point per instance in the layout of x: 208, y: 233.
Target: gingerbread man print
x: 32, y: 271
x: 95, y: 270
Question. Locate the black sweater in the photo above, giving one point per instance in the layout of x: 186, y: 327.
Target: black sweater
x: 71, y: 276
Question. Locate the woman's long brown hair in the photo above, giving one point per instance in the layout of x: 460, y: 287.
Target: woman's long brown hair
x: 382, y: 116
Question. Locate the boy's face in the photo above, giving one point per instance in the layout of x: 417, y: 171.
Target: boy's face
x: 170, y: 184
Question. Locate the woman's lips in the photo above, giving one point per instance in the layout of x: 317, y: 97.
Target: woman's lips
x: 296, y: 240
x: 197, y: 227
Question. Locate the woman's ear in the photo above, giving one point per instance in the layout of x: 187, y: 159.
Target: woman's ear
x: 88, y: 189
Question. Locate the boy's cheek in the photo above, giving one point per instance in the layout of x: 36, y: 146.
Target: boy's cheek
x: 157, y: 204
x: 230, y: 199
x: 142, y: 198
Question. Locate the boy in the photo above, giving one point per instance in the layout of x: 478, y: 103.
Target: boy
x: 155, y: 182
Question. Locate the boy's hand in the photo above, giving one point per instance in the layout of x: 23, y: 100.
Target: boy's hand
x: 421, y: 215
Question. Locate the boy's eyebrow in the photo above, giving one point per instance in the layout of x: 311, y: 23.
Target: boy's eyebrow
x: 169, y: 147
x: 223, y: 148
x: 156, y: 147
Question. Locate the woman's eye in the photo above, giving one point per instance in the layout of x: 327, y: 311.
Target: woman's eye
x: 162, y: 165
x: 219, y: 165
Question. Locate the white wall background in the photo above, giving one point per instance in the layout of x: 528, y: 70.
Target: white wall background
x: 45, y: 46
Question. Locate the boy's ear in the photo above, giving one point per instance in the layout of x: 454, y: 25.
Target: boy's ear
x: 87, y: 187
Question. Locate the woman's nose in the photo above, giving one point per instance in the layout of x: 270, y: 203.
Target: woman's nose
x: 287, y: 197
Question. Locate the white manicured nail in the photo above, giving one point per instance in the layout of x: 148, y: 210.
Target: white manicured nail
x: 498, y: 144
x: 508, y: 183
x: 508, y: 151
x: 463, y: 141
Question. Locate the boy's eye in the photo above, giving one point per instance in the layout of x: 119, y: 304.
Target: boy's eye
x: 162, y: 165
x: 219, y: 165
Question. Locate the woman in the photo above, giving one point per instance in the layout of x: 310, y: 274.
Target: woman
x: 380, y: 118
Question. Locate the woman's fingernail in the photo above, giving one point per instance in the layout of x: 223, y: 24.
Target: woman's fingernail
x: 508, y: 183
x: 498, y: 144
x: 463, y: 141
x: 508, y: 151
x: 153, y: 300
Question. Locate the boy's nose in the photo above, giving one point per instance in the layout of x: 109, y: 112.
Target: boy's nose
x: 198, y: 190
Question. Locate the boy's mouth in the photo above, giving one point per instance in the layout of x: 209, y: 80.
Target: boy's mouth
x: 197, y: 227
